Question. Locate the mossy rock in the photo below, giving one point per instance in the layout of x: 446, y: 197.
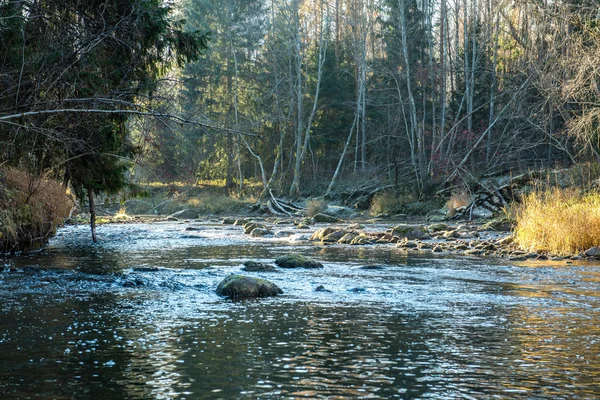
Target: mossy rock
x: 335, y: 236
x: 319, y: 234
x: 498, y: 225
x: 437, y: 227
x: 361, y: 240
x: 295, y: 260
x: 347, y: 238
x: 410, y: 232
x: 239, y: 286
x: 250, y: 226
x: 255, y: 266
x: 325, y: 218
x: 261, y: 232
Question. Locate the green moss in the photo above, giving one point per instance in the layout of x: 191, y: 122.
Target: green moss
x: 239, y: 286
x: 295, y: 260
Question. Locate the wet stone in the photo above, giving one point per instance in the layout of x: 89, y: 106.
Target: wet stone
x: 593, y: 252
x: 261, y: 232
x: 254, y: 266
x: 146, y: 269
x: 295, y: 260
x: 325, y: 218
x: 135, y: 282
x: 357, y: 290
x: 239, y: 286
x: 372, y: 267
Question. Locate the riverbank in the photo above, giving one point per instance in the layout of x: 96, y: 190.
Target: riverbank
x: 30, y: 210
x: 411, y: 235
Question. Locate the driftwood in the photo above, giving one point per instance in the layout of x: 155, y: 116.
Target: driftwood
x: 281, y: 207
x: 494, y: 198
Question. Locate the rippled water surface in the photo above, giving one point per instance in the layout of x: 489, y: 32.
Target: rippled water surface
x: 136, y: 317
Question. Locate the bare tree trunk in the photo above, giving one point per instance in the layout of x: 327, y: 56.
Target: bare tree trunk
x: 303, y: 139
x: 490, y: 137
x: 342, y: 157
x: 92, y: 206
x: 295, y: 188
x: 414, y: 124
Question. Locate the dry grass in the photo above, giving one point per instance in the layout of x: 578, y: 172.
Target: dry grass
x: 390, y: 203
x: 457, y: 200
x: 314, y: 207
x: 559, y: 221
x: 30, y: 209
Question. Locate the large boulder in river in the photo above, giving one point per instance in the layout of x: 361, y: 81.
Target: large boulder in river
x: 239, y: 286
x: 295, y: 260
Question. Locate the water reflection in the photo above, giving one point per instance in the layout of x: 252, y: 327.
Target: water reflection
x: 76, y: 323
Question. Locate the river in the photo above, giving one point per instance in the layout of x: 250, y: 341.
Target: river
x: 136, y: 317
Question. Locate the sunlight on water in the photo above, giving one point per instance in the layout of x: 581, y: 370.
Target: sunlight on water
x: 136, y: 317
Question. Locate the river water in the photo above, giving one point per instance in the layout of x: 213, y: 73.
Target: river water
x: 136, y: 317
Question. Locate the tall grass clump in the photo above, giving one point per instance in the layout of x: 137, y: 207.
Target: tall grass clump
x: 559, y: 221
x: 30, y: 210
x: 389, y: 203
x: 314, y: 207
x: 457, y: 200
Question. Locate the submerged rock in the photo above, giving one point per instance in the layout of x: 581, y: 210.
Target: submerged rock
x: 325, y: 218
x: 261, y: 232
x: 135, y: 282
x: 357, y: 290
x: 185, y: 214
x: 295, y: 260
x: 146, y: 269
x: 593, y: 252
x: 254, y: 266
x: 239, y: 286
x: 498, y: 225
x: 372, y: 267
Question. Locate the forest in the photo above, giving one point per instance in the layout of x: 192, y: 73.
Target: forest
x: 296, y: 97
x: 318, y: 199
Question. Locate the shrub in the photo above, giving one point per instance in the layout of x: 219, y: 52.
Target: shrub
x: 457, y: 200
x: 314, y: 207
x: 560, y: 221
x: 389, y: 203
x: 30, y: 210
